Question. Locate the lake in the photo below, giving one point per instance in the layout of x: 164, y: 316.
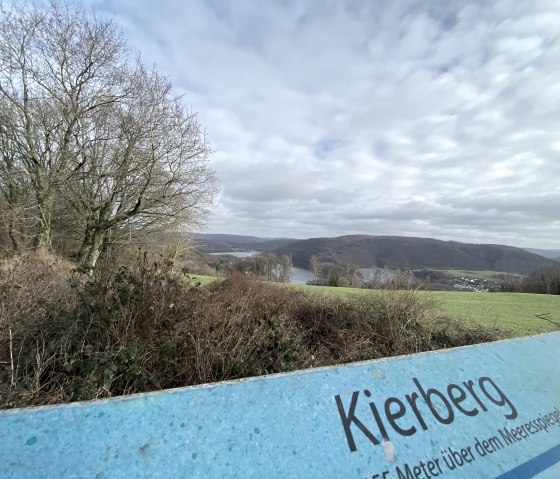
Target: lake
x: 299, y: 275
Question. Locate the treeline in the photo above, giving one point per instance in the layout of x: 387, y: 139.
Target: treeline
x: 95, y: 148
x: 350, y: 276
x: 268, y: 266
x: 542, y: 281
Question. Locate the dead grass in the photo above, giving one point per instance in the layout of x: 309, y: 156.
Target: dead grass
x: 66, y: 337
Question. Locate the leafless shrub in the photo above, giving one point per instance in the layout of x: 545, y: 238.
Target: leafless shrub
x: 143, y: 327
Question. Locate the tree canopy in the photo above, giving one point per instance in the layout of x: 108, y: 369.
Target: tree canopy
x: 92, y: 141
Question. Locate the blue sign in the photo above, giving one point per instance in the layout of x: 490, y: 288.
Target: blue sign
x: 488, y: 411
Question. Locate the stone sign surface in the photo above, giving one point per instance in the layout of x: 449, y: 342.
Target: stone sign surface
x: 481, y: 411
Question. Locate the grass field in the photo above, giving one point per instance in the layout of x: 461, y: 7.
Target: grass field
x: 514, y: 313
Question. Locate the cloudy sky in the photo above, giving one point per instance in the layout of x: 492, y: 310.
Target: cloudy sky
x: 330, y: 117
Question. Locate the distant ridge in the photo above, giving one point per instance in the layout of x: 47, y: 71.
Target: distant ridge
x: 413, y: 253
x: 217, y: 243
x: 387, y: 251
x: 547, y: 253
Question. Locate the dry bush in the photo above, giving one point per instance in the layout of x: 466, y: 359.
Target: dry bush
x: 142, y: 328
x: 34, y: 289
x: 243, y: 327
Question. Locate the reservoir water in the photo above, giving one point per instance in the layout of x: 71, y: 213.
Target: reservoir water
x: 299, y: 275
x: 302, y: 276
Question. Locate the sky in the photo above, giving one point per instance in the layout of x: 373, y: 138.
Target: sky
x: 417, y: 118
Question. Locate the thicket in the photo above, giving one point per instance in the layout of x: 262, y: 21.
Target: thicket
x: 67, y: 336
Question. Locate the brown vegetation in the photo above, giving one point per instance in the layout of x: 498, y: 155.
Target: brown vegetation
x: 66, y: 336
x: 543, y: 281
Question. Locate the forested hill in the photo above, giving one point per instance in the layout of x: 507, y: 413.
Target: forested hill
x: 413, y: 253
x: 213, y: 243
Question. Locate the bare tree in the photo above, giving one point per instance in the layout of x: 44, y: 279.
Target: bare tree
x: 99, y: 138
x: 259, y: 265
x: 354, y: 277
x: 271, y: 262
x: 142, y: 165
x: 285, y: 268
x: 543, y: 281
x: 12, y: 184
x: 57, y: 66
x: 315, y: 266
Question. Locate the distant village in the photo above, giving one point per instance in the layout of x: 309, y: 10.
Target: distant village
x: 467, y: 283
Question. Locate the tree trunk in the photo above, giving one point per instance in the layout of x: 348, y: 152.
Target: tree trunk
x: 91, y: 248
x: 12, y: 233
x: 12, y: 199
x: 43, y: 238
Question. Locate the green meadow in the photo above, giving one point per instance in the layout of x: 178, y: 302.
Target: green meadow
x: 518, y: 314
x: 202, y: 279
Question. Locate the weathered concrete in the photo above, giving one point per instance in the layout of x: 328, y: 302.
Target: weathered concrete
x: 482, y: 411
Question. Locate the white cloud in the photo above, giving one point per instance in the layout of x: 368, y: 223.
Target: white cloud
x: 392, y: 117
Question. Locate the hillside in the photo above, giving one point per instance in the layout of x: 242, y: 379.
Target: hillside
x: 218, y: 243
x: 547, y: 253
x: 413, y: 253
